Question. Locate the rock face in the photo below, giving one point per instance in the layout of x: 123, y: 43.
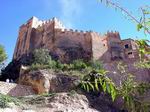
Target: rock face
x: 13, y: 89
x: 45, y: 81
x: 63, y: 102
x: 141, y: 75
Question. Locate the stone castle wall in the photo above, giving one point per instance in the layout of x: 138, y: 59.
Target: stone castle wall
x: 52, y: 35
x: 68, y: 44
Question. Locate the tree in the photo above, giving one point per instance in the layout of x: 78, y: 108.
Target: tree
x: 3, y: 55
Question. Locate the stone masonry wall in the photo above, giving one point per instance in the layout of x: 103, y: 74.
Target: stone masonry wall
x: 65, y: 43
x: 68, y: 44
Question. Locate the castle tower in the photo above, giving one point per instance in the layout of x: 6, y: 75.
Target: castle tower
x: 23, y: 41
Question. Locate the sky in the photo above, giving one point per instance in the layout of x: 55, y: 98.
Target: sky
x: 76, y: 14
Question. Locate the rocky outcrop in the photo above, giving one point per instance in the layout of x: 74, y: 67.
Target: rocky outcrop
x: 45, y: 81
x: 63, y: 102
x: 13, y: 89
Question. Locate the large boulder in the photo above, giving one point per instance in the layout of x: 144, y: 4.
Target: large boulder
x: 13, y: 89
x: 45, y: 81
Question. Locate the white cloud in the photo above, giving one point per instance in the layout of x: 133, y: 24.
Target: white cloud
x: 70, y: 10
x: 67, y: 10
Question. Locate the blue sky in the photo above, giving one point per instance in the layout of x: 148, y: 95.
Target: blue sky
x: 76, y: 14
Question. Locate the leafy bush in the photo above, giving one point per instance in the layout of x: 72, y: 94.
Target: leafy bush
x: 130, y: 91
x: 38, y: 66
x: 98, y: 81
x: 59, y: 65
x: 144, y: 64
x: 42, y: 56
x: 42, y: 60
x: 144, y: 53
x: 96, y: 65
x: 79, y: 64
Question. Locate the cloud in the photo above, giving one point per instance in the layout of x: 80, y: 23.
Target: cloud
x: 70, y: 10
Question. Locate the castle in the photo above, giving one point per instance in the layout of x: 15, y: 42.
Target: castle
x: 68, y: 44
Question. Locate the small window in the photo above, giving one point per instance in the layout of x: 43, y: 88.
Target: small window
x: 126, y: 46
x: 129, y: 53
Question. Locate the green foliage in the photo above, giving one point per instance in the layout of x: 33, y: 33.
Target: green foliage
x: 139, y: 27
x: 128, y: 88
x: 3, y: 55
x: 5, y: 100
x: 98, y: 81
x: 79, y: 64
x: 59, y: 65
x: 143, y: 22
x: 42, y: 56
x: 129, y: 91
x: 96, y: 65
x: 38, y: 66
x: 144, y: 64
x: 143, y: 50
x: 42, y: 60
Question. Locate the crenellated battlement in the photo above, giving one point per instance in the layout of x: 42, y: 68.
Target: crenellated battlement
x: 113, y: 34
x: 36, y: 23
x: 57, y: 24
x: 75, y: 32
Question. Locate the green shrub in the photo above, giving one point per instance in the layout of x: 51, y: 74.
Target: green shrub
x: 38, y: 66
x: 95, y: 64
x: 78, y: 65
x: 42, y: 60
x: 98, y: 81
x: 59, y: 65
x: 131, y: 92
x: 41, y: 56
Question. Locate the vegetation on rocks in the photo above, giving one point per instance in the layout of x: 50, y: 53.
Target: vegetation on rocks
x: 42, y: 60
x: 94, y: 78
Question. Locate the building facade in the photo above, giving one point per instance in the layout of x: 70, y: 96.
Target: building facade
x: 68, y: 44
